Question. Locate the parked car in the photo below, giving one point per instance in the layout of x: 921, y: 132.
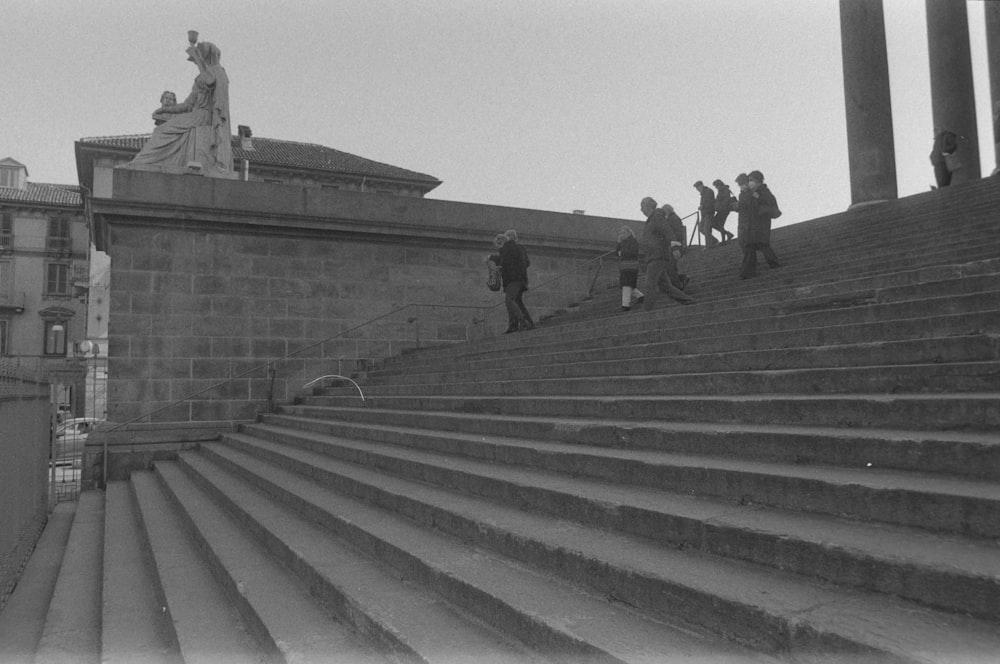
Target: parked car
x: 70, y: 437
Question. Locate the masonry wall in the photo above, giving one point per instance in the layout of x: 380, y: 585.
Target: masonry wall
x: 204, y: 297
x: 25, y: 412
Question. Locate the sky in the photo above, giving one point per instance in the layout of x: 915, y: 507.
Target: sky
x: 548, y: 104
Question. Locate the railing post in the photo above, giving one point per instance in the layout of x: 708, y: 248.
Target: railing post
x: 270, y: 386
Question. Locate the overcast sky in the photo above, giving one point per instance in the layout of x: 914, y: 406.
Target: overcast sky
x: 548, y: 104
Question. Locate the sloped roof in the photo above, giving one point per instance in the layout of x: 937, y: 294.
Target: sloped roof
x: 8, y: 161
x: 290, y: 154
x: 36, y: 192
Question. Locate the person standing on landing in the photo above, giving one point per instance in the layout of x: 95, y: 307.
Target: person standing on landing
x: 628, y: 267
x: 658, y: 255
x: 514, y: 265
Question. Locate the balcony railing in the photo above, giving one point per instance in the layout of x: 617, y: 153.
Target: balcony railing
x: 55, y: 243
x: 6, y: 241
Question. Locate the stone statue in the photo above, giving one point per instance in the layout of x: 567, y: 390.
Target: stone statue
x: 194, y: 136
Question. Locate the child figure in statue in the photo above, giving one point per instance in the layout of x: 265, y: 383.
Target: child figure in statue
x: 168, y: 98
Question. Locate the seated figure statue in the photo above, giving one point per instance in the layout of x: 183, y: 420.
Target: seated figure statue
x: 195, y: 136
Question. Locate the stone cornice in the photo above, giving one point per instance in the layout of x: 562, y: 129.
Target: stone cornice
x: 195, y: 203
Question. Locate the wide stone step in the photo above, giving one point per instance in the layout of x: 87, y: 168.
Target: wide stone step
x: 640, y: 328
x: 932, y: 502
x: 925, y: 412
x: 676, y: 358
x: 547, y: 615
x: 739, y: 348
x: 947, y: 279
x: 726, y: 596
x: 294, y: 628
x: 952, y: 378
x: 948, y: 453
x: 72, y: 632
x: 134, y: 624
x: 22, y: 620
x: 206, y: 626
x: 865, y: 256
x: 799, y: 269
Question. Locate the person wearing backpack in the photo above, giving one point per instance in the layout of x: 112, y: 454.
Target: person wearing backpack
x: 514, y: 265
x: 725, y: 202
x: 758, y: 207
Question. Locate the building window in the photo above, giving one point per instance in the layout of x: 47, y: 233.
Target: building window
x: 57, y: 279
x: 58, y: 237
x: 6, y: 232
x: 6, y: 280
x: 9, y: 177
x: 4, y: 336
x: 55, y: 337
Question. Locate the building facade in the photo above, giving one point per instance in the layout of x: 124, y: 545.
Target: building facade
x: 44, y: 282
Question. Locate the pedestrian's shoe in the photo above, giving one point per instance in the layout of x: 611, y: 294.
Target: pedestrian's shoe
x: 626, y: 308
x: 528, y: 324
x: 510, y: 329
x: 685, y: 281
x: 640, y: 299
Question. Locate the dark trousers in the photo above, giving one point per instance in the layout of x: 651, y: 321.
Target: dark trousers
x: 662, y: 275
x: 705, y: 226
x: 942, y: 174
x: 749, y: 266
x: 719, y: 224
x: 517, y: 313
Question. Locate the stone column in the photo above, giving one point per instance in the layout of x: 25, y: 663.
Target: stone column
x: 992, y: 10
x: 952, y: 98
x: 870, y: 147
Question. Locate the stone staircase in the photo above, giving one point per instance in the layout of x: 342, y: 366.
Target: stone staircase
x: 803, y: 467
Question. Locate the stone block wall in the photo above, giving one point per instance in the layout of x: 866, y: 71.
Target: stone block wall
x: 204, y: 297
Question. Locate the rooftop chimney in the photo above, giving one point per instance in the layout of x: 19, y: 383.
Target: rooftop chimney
x: 245, y: 135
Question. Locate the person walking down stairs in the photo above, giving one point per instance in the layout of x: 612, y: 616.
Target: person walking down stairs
x: 757, y: 207
x: 706, y: 212
x: 514, y: 263
x: 724, y: 201
x: 658, y: 256
x: 628, y: 268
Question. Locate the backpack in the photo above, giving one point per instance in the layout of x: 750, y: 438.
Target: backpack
x: 493, y: 281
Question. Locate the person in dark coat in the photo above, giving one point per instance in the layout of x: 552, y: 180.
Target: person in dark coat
x: 757, y: 207
x: 658, y: 255
x: 706, y: 210
x: 723, y: 206
x: 514, y: 265
x: 678, y: 247
x: 945, y: 145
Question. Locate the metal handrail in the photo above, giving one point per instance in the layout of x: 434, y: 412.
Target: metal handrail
x: 269, y: 365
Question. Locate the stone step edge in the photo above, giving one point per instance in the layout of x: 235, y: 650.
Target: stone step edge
x: 639, y: 325
x: 969, y: 411
x: 763, y: 341
x: 164, y: 527
x: 917, y: 350
x: 715, y: 481
x: 658, y: 436
x: 451, y: 587
x: 827, y: 379
x: 758, y: 624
